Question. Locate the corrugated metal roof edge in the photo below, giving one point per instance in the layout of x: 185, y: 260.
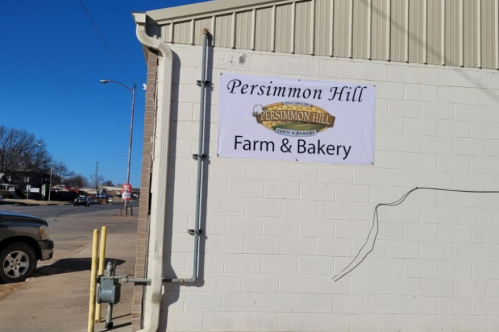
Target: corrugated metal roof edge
x: 172, y: 13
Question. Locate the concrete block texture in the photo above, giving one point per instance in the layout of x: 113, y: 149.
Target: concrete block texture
x: 275, y: 233
x: 344, y: 69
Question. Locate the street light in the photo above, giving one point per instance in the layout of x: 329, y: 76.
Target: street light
x: 50, y: 180
x: 29, y: 170
x: 131, y: 132
x: 28, y: 186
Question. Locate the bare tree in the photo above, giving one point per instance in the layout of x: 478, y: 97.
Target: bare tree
x: 21, y: 151
x: 60, y: 172
x: 96, y: 181
x: 108, y: 183
x: 76, y: 180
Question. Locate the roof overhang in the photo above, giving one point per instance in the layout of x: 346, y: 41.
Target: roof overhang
x: 334, y: 29
x: 202, y: 8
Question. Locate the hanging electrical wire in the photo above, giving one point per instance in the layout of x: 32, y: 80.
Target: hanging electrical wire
x: 110, y: 51
x: 374, y: 229
x: 104, y: 41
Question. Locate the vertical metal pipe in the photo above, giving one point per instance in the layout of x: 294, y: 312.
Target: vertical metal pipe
x: 109, y: 316
x: 93, y: 277
x: 200, y: 159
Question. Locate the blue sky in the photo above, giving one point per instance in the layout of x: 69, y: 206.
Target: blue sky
x: 51, y: 61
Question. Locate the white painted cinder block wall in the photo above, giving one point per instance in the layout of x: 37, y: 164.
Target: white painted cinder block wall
x: 277, y: 232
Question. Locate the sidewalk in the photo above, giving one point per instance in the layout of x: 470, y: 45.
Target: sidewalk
x: 57, y: 298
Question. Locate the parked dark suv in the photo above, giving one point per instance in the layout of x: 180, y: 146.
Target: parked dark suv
x: 24, y: 240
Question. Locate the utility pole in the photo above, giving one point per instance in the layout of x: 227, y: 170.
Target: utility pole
x: 28, y: 186
x: 127, y: 184
x: 50, y: 181
x: 130, y: 152
x: 97, y: 180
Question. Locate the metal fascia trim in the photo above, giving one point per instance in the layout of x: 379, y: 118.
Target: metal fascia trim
x: 206, y: 8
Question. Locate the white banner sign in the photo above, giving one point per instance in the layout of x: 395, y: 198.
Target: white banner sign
x: 297, y: 120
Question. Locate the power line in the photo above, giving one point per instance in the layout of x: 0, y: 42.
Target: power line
x: 104, y: 41
x: 140, y: 103
x: 109, y: 49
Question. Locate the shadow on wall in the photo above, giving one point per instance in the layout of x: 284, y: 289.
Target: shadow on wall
x: 172, y: 290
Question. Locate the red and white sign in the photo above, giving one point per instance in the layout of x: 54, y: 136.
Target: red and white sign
x: 127, y: 192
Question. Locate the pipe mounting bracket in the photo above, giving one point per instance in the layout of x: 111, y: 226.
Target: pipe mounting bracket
x: 196, y: 156
x: 205, y: 83
x: 193, y: 231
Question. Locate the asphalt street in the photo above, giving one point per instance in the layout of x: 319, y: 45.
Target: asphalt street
x: 51, y: 212
x: 56, y: 297
x: 71, y: 226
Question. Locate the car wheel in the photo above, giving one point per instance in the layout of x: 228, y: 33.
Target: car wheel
x: 18, y: 262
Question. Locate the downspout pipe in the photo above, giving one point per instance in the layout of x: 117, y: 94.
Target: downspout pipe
x: 160, y: 171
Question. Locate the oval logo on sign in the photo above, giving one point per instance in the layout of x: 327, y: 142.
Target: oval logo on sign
x: 293, y: 118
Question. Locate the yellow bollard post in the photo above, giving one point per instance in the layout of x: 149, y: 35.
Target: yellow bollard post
x: 93, y: 272
x: 102, y: 260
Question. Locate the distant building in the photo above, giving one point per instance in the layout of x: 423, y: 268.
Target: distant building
x: 5, y: 183
x: 30, y: 184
